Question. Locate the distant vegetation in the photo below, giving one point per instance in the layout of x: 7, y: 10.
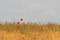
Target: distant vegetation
x: 11, y: 27
x: 29, y: 31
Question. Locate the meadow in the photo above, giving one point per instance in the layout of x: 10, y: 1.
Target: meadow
x: 29, y: 31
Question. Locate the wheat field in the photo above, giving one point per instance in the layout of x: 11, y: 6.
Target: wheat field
x: 34, y: 31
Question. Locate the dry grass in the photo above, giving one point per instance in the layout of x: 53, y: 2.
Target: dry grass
x: 12, y: 31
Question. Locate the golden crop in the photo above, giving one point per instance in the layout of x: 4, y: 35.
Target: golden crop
x: 31, y: 31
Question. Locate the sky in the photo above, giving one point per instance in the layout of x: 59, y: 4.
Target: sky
x: 30, y: 10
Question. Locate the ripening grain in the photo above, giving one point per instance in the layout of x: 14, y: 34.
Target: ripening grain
x: 34, y: 31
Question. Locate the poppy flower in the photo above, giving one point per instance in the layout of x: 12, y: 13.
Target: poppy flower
x: 18, y: 22
x: 21, y: 19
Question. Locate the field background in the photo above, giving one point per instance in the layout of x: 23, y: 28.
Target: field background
x: 29, y: 11
x: 29, y: 31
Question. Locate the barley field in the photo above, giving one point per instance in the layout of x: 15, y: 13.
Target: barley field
x: 29, y: 31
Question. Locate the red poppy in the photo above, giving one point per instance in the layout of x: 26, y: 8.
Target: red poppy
x: 18, y: 22
x: 21, y: 19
